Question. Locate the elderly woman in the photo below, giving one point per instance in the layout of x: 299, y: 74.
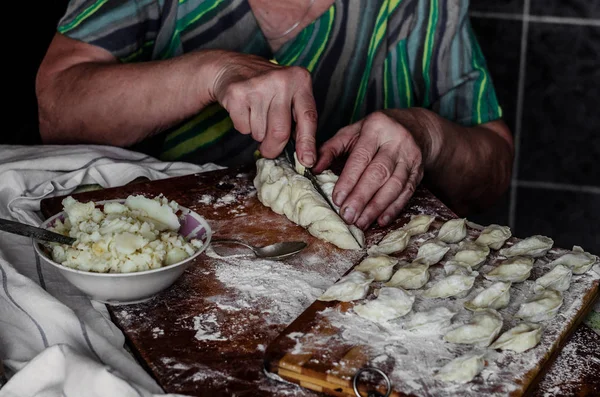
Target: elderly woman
x: 400, y: 86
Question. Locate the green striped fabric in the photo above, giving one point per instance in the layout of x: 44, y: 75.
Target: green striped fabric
x: 363, y: 55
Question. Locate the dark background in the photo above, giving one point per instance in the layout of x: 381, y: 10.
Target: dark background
x: 544, y: 57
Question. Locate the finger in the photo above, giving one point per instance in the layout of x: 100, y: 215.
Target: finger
x: 258, y: 119
x: 240, y: 116
x: 360, y: 157
x: 385, y: 196
x: 279, y: 124
x: 305, y: 114
x: 414, y: 178
x: 376, y: 175
x: 336, y: 146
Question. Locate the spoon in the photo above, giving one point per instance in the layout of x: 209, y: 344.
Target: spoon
x: 274, y: 251
x: 35, y: 232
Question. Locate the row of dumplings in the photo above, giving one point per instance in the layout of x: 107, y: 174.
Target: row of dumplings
x: 394, y: 300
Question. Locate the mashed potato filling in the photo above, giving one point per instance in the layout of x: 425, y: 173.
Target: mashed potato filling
x: 140, y: 234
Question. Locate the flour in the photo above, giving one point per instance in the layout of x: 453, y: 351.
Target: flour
x: 206, y: 327
x: 205, y: 199
x: 283, y: 289
x: 156, y: 332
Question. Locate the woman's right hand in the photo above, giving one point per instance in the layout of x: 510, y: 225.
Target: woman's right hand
x: 262, y: 97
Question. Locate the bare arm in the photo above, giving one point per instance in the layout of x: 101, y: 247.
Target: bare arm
x: 85, y: 95
x: 391, y: 150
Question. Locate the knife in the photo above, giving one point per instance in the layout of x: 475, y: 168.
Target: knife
x: 35, y: 232
x: 290, y: 150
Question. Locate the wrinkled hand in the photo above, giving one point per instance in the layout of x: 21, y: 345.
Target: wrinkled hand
x: 384, y: 167
x: 262, y: 97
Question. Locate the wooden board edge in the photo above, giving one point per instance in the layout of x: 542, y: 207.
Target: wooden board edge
x: 535, y: 378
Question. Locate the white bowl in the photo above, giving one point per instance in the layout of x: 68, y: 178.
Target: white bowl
x: 134, y: 287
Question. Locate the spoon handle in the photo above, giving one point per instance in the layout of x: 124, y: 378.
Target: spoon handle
x: 231, y: 241
x: 35, y: 232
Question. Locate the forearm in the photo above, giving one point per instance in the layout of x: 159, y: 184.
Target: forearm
x: 469, y: 167
x: 121, y: 104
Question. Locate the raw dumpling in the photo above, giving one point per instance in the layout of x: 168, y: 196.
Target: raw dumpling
x: 520, y: 338
x: 533, y: 246
x: 515, y: 270
x: 462, y: 369
x: 379, y: 267
x: 481, y: 330
x: 577, y: 260
x: 542, y: 307
x: 496, y: 296
x: 494, y: 236
x: 558, y: 279
x: 286, y: 192
x: 458, y: 283
x: 413, y: 276
x: 390, y: 303
x: 453, y: 231
x: 394, y: 241
x: 432, y: 321
x: 351, y: 287
x: 418, y: 224
x: 470, y: 254
x: 431, y: 253
x: 327, y: 180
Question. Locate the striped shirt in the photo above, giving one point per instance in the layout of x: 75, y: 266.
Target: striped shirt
x: 363, y: 55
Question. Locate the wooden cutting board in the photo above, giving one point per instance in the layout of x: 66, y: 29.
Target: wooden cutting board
x: 207, y: 334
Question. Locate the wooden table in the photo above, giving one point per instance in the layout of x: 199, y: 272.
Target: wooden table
x: 163, y: 332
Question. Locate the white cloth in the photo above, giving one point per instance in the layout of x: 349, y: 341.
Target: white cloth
x: 53, y: 340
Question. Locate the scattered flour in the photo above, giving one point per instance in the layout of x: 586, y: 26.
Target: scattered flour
x: 156, y: 332
x: 206, y: 199
x: 207, y: 328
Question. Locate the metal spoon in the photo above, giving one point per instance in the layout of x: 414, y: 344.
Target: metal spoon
x: 35, y: 232
x: 274, y: 251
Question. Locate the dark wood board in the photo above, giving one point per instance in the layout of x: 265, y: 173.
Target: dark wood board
x: 160, y: 333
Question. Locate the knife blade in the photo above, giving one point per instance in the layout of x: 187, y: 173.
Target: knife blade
x: 35, y: 232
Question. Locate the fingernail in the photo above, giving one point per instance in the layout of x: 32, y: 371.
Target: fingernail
x: 362, y: 223
x: 309, y: 159
x: 339, y: 198
x: 385, y: 220
x: 349, y: 214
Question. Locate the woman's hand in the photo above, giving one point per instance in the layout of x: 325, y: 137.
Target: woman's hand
x: 262, y: 97
x: 385, y: 164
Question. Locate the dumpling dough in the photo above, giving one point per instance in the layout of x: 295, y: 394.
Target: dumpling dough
x: 394, y: 241
x: 462, y: 369
x: 379, y: 267
x: 418, y: 224
x: 470, y: 254
x: 431, y: 253
x: 390, y: 303
x: 494, y: 236
x: 279, y: 187
x: 542, y: 307
x: 432, y: 321
x: 350, y: 287
x: 327, y: 180
x: 515, y: 270
x: 496, y: 296
x: 481, y: 330
x: 458, y: 283
x: 558, y: 279
x: 520, y: 338
x: 578, y: 260
x: 533, y: 246
x: 413, y: 276
x: 453, y: 231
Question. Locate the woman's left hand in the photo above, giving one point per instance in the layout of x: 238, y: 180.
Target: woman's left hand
x: 385, y: 164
